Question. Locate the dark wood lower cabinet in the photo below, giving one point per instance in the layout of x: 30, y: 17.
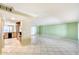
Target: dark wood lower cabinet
x: 8, y: 35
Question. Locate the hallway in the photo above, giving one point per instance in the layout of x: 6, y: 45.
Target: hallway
x: 43, y: 46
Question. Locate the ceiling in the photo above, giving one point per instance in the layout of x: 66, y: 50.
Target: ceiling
x: 55, y: 12
x: 45, y: 9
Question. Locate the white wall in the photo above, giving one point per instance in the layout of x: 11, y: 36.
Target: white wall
x: 26, y: 27
x: 1, y: 43
x: 1, y: 24
x: 26, y: 30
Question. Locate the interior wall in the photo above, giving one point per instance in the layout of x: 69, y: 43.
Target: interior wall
x: 78, y: 31
x: 26, y: 30
x: 67, y: 30
x: 0, y: 35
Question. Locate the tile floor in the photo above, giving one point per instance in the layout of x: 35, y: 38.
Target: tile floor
x: 40, y: 46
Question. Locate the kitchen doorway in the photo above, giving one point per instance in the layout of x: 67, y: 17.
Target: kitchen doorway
x: 7, y: 32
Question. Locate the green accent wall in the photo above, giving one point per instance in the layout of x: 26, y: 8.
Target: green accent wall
x: 67, y: 30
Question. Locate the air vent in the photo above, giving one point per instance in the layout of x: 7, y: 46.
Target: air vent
x: 10, y: 9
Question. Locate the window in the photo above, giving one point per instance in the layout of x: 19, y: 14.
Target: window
x: 33, y: 30
x: 8, y: 28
